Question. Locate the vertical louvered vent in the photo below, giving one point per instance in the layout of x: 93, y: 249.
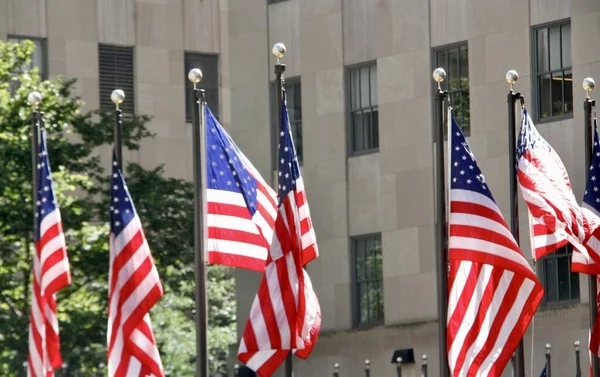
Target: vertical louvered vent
x: 115, y: 65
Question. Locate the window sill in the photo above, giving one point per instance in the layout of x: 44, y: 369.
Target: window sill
x: 560, y: 305
x: 556, y: 118
x: 364, y: 152
x: 368, y: 326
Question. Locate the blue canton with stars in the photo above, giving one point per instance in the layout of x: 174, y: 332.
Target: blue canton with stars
x: 464, y: 172
x: 591, y: 196
x: 289, y: 169
x: 122, y: 210
x: 226, y: 168
x: 46, y: 201
x: 529, y: 137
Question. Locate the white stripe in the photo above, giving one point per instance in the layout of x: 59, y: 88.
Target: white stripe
x: 52, y: 246
x: 488, y: 319
x: 139, y: 294
x: 53, y: 273
x: 267, y: 205
x: 259, y: 358
x: 231, y: 222
x: 225, y: 197
x: 237, y: 248
x: 509, y: 323
x: 486, y: 247
x: 36, y: 360
x: 49, y: 220
x: 134, y: 368
x: 272, y: 278
x: 474, y: 197
x: 259, y: 326
x: 127, y: 234
x: 470, y: 313
x: 145, y: 344
x: 265, y: 228
x: 51, y: 318
x: 292, y: 275
x: 481, y: 222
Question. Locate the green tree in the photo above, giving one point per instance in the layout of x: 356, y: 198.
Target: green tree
x: 164, y: 206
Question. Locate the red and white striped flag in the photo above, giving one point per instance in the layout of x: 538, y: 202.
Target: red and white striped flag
x: 241, y: 206
x: 134, y: 288
x: 285, y: 315
x: 51, y: 273
x: 494, y: 293
x: 556, y: 216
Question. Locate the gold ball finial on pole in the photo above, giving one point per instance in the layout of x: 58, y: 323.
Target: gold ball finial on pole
x: 195, y: 75
x: 279, y: 51
x: 588, y: 84
x: 34, y: 99
x: 511, y: 78
x: 117, y: 96
x: 439, y: 75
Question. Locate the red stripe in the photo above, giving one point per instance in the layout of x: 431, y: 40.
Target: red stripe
x: 234, y: 260
x: 237, y: 236
x: 225, y: 209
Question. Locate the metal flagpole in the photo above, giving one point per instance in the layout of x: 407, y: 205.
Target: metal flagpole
x: 118, y: 96
x: 589, y: 104
x: 279, y: 52
x: 198, y: 127
x: 512, y: 97
x: 577, y: 360
x: 34, y: 99
x: 441, y: 241
x: 548, y: 361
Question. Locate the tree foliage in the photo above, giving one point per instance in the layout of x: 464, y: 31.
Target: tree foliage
x: 163, y: 204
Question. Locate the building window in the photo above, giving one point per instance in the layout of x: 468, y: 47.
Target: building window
x: 209, y: 65
x: 552, y: 65
x: 367, y: 276
x: 363, y: 109
x: 38, y: 58
x: 560, y: 284
x: 115, y: 65
x: 293, y: 91
x: 274, y: 1
x: 455, y: 61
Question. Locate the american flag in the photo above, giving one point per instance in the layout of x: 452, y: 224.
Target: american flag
x: 51, y: 273
x: 241, y: 207
x: 556, y: 216
x: 134, y: 287
x: 285, y: 315
x: 493, y: 291
x: 591, y: 201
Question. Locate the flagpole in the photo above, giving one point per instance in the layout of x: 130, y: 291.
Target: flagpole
x: 118, y: 96
x: 198, y: 127
x: 589, y: 104
x: 441, y: 241
x: 34, y: 99
x: 511, y: 78
x: 279, y: 51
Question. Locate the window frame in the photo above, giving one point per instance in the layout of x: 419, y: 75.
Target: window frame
x: 44, y: 43
x: 128, y: 113
x: 446, y: 83
x: 287, y: 81
x: 355, y: 301
x: 348, y: 69
x: 543, y: 273
x: 188, y: 85
x: 536, y: 100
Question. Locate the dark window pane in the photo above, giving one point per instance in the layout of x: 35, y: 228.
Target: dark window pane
x: 551, y: 285
x: 544, y: 94
x: 297, y: 101
x: 363, y: 299
x: 555, y: 53
x: 368, y: 279
x: 365, y: 83
x: 209, y: 65
x: 374, y: 98
x: 464, y: 67
x: 566, y: 45
x: 568, y: 96
x: 357, y: 131
x: 455, y: 60
x: 574, y: 286
x: 564, y: 278
x: 557, y: 94
x: 375, y: 128
x: 542, y: 50
x: 355, y: 89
